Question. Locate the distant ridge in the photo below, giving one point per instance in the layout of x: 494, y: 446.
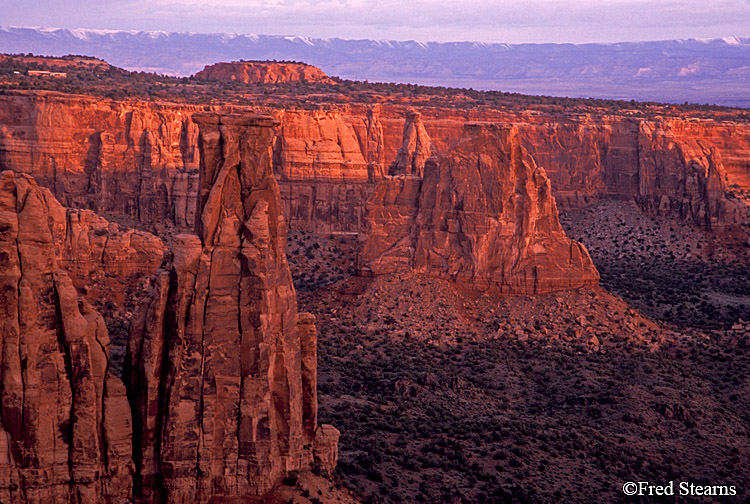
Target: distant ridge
x: 695, y: 70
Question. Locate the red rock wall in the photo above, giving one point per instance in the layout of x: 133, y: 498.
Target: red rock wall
x: 683, y: 174
x: 219, y: 333
x: 416, y: 148
x: 482, y: 216
x: 263, y: 72
x: 134, y: 158
x: 221, y: 366
x: 324, y: 172
x: 140, y: 159
x: 65, y: 423
x: 587, y: 160
x: 698, y: 171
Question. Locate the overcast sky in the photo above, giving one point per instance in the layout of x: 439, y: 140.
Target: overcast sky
x: 424, y: 20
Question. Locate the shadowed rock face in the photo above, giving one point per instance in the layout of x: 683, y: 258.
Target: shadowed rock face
x: 483, y: 216
x: 684, y: 176
x: 65, y: 427
x: 221, y: 366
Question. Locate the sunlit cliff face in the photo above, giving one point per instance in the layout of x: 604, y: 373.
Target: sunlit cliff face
x: 141, y: 159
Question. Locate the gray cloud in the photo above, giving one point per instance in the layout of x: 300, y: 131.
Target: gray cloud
x: 481, y: 20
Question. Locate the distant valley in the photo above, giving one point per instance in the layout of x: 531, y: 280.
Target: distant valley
x: 693, y: 70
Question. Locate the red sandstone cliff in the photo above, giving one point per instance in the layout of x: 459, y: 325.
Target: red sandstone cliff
x: 416, y: 149
x: 322, y: 171
x: 65, y: 425
x: 65, y: 422
x: 221, y: 366
x: 136, y: 159
x: 483, y: 216
x: 140, y: 159
x: 694, y: 170
x: 373, y: 144
x: 264, y: 72
x: 685, y: 176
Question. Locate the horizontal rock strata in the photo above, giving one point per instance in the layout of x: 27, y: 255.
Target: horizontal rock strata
x: 141, y: 160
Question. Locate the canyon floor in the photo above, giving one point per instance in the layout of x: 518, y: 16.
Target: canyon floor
x: 443, y: 395
x: 446, y: 395
x: 681, y: 274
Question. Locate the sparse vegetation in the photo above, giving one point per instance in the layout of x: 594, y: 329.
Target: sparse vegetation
x: 668, y: 269
x: 95, y: 77
x: 442, y: 397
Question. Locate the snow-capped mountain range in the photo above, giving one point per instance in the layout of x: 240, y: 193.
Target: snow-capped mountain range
x: 695, y: 70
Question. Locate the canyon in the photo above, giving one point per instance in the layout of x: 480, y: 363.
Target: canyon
x: 72, y: 430
x: 140, y: 160
x: 213, y: 301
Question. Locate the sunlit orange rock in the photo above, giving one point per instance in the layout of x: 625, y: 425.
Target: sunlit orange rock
x: 221, y: 366
x: 482, y: 216
x: 140, y: 159
x: 322, y: 172
x: 65, y: 433
x: 692, y: 170
x: 265, y: 72
x: 416, y: 149
x: 685, y: 176
x: 137, y: 159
